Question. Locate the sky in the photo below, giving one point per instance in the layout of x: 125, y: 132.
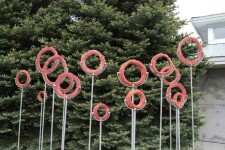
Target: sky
x: 195, y: 8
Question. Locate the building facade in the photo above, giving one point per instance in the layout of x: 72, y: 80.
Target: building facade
x: 211, y: 30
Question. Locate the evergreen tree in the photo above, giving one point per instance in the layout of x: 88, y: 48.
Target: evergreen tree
x: 23, y: 27
x: 120, y: 30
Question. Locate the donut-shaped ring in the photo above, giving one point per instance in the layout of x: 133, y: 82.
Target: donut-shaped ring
x: 45, y: 68
x: 22, y: 85
x: 140, y: 66
x: 39, y: 96
x: 72, y: 78
x: 181, y: 102
x: 38, y: 59
x: 69, y: 88
x: 167, y: 72
x: 95, y: 112
x: 177, y: 76
x: 181, y: 56
x: 182, y: 95
x: 130, y: 104
x: 101, y: 67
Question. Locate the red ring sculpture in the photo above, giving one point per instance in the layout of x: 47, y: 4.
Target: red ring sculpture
x: 60, y: 79
x: 95, y: 112
x: 101, y: 67
x: 140, y: 66
x: 174, y: 100
x: 181, y: 56
x: 38, y: 59
x: 22, y: 85
x: 40, y: 93
x: 161, y: 73
x: 179, y: 104
x: 177, y: 76
x: 130, y: 104
x: 69, y: 88
x: 45, y: 68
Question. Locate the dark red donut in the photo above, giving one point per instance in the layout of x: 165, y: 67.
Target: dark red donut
x: 45, y: 68
x: 181, y: 56
x: 22, y: 85
x: 101, y: 67
x: 38, y: 59
x: 130, y: 104
x: 39, y: 96
x: 177, y: 76
x: 95, y: 112
x: 182, y: 95
x: 72, y: 78
x: 161, y: 73
x: 140, y: 66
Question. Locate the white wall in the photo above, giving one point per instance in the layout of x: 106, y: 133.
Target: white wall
x: 212, y: 106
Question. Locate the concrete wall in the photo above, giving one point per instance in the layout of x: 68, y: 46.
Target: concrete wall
x: 212, y: 106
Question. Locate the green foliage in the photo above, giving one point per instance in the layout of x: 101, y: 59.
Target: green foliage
x: 120, y: 30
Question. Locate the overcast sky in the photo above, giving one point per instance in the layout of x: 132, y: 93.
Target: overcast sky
x: 194, y: 8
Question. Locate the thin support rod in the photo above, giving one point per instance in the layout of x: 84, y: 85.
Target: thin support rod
x: 178, y: 128
x: 63, y: 123
x: 160, y: 128
x: 170, y: 127
x: 52, y: 122
x: 64, y: 127
x: 40, y: 126
x: 91, y: 105
x: 63, y: 118
x: 192, y: 111
x: 43, y: 119
x: 21, y: 106
x: 134, y: 129
x: 132, y: 125
x: 100, y: 135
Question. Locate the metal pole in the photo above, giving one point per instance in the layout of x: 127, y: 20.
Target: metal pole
x: 132, y: 125
x: 134, y: 128
x: 63, y: 120
x: 21, y: 103
x: 43, y: 119
x: 176, y: 129
x: 64, y: 131
x: 160, y: 129
x: 170, y: 128
x: 39, y: 145
x: 91, y: 105
x: 192, y: 111
x: 53, y: 104
x: 100, y: 135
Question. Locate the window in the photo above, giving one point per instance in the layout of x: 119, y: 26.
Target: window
x: 219, y: 33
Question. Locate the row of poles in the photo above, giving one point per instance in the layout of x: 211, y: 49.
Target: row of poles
x: 178, y: 100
